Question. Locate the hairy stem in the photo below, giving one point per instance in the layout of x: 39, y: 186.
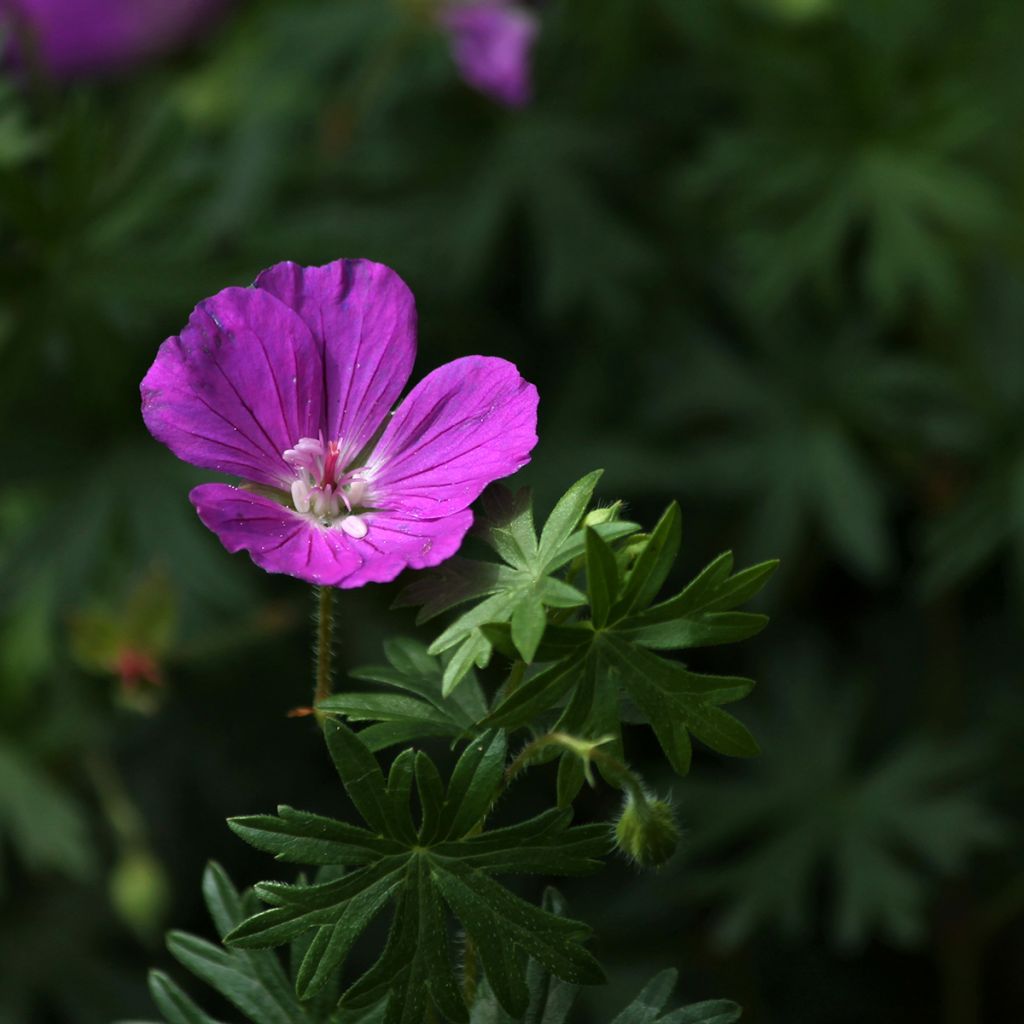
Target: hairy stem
x: 324, y: 644
x: 614, y: 770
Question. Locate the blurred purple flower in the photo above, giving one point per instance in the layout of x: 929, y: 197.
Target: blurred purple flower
x: 491, y: 41
x: 289, y: 385
x: 84, y: 37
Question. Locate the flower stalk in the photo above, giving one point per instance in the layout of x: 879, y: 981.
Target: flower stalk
x: 324, y: 645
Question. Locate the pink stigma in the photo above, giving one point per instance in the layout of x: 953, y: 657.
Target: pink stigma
x: 330, y: 463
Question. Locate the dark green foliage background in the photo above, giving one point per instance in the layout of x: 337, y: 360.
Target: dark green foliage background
x: 763, y: 256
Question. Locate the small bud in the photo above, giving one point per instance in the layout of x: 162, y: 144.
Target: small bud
x: 597, y: 516
x: 647, y: 831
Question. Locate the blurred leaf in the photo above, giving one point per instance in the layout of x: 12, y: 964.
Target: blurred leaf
x: 884, y: 832
x: 45, y: 823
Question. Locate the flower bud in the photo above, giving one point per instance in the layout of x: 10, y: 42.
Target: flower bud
x: 597, y: 516
x: 647, y: 831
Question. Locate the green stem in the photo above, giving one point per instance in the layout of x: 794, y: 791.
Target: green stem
x: 614, y: 770
x: 324, y: 644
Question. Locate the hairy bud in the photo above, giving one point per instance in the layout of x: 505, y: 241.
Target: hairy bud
x: 647, y: 831
x: 608, y: 514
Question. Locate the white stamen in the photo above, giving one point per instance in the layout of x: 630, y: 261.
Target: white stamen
x: 300, y: 496
x: 355, y: 492
x: 354, y: 527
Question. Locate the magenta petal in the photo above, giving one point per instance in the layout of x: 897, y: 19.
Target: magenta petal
x: 363, y: 316
x: 491, y: 41
x: 76, y: 37
x: 469, y: 422
x: 280, y: 540
x: 238, y: 387
x: 393, y: 543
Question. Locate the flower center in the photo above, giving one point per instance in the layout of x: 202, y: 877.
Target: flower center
x: 322, y: 489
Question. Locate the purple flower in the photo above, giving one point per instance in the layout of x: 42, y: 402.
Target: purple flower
x: 290, y: 384
x: 82, y: 37
x: 491, y: 42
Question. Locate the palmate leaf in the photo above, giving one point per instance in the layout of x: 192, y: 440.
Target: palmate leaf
x: 551, y: 1000
x: 905, y: 181
x: 421, y: 710
x: 883, y: 832
x: 255, y: 982
x: 593, y: 665
x: 799, y: 437
x: 516, y: 593
x: 439, y: 867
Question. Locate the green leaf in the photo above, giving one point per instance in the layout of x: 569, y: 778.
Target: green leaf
x: 550, y: 1000
x: 565, y: 516
x: 553, y: 941
x: 711, y: 1011
x: 528, y: 623
x: 389, y: 734
x: 362, y: 777
x: 649, y: 1006
x: 701, y: 630
x: 588, y: 665
x: 672, y: 697
x: 474, y: 784
x: 385, y: 707
x: 485, y: 928
x: 355, y: 897
x: 431, y: 793
x: 230, y: 976
x: 400, y: 782
x: 516, y: 594
x: 172, y: 1002
x: 474, y: 649
x: 227, y: 909
x: 715, y: 589
x: 452, y: 583
x: 538, y: 693
x: 332, y: 942
x: 448, y: 861
x: 428, y: 713
x: 558, y: 641
x: 653, y: 564
x: 602, y: 577
x: 507, y: 525
x: 575, y: 545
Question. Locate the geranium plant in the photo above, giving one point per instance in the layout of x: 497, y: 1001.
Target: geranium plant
x: 558, y: 642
